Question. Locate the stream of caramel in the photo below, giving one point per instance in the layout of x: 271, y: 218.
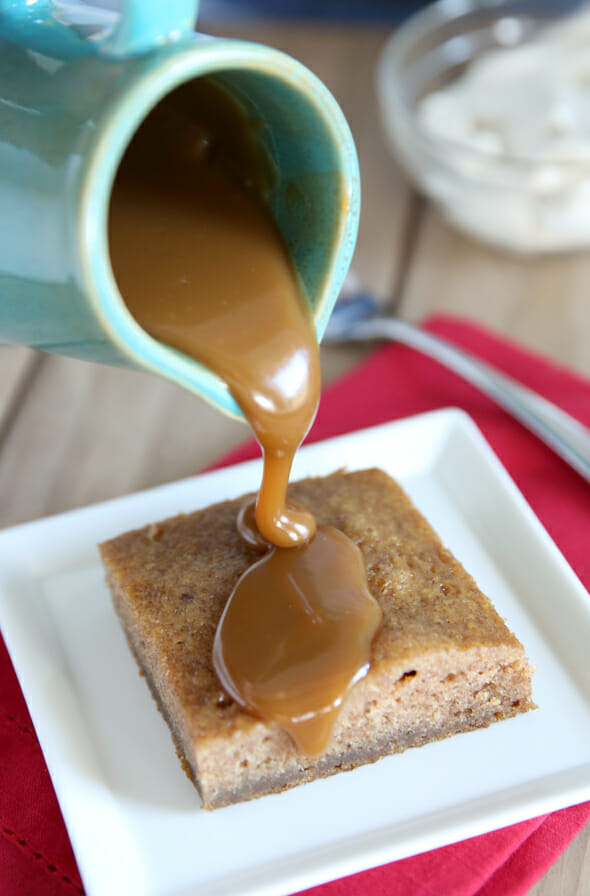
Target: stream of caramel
x: 202, y: 267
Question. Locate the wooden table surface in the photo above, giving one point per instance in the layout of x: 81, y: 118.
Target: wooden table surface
x: 72, y: 433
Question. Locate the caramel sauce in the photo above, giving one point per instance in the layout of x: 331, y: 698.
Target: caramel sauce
x: 297, y: 664
x: 202, y: 267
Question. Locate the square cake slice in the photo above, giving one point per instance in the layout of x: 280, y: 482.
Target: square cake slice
x: 443, y: 661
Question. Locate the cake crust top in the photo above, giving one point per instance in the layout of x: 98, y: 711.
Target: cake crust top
x: 173, y: 579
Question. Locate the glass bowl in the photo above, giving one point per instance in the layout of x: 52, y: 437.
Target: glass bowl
x: 528, y: 201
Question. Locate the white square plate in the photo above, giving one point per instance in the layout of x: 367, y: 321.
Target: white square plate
x: 134, y: 819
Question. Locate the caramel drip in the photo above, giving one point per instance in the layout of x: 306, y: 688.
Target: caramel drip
x: 296, y: 634
x: 203, y: 268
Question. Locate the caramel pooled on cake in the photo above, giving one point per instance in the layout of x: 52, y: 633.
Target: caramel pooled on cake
x: 442, y: 662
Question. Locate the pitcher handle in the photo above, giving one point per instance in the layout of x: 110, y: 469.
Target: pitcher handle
x: 144, y: 24
x: 69, y: 28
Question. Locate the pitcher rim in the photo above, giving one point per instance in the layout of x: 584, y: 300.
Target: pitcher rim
x: 102, y: 161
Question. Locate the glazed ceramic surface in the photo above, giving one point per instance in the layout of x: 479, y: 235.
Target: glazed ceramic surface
x: 71, y: 98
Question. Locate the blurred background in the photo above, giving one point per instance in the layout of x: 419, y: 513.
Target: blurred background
x: 350, y: 10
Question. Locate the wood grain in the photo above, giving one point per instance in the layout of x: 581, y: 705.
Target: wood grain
x: 570, y: 875
x: 542, y: 302
x: 86, y: 433
x: 17, y: 368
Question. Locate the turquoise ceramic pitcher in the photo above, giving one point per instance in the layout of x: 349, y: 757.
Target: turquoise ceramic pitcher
x: 75, y: 84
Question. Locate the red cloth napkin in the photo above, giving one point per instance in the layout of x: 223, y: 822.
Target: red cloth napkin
x: 35, y: 855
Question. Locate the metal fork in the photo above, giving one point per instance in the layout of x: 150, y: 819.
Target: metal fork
x: 360, y: 318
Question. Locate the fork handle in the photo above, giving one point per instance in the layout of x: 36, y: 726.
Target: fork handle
x: 569, y: 438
